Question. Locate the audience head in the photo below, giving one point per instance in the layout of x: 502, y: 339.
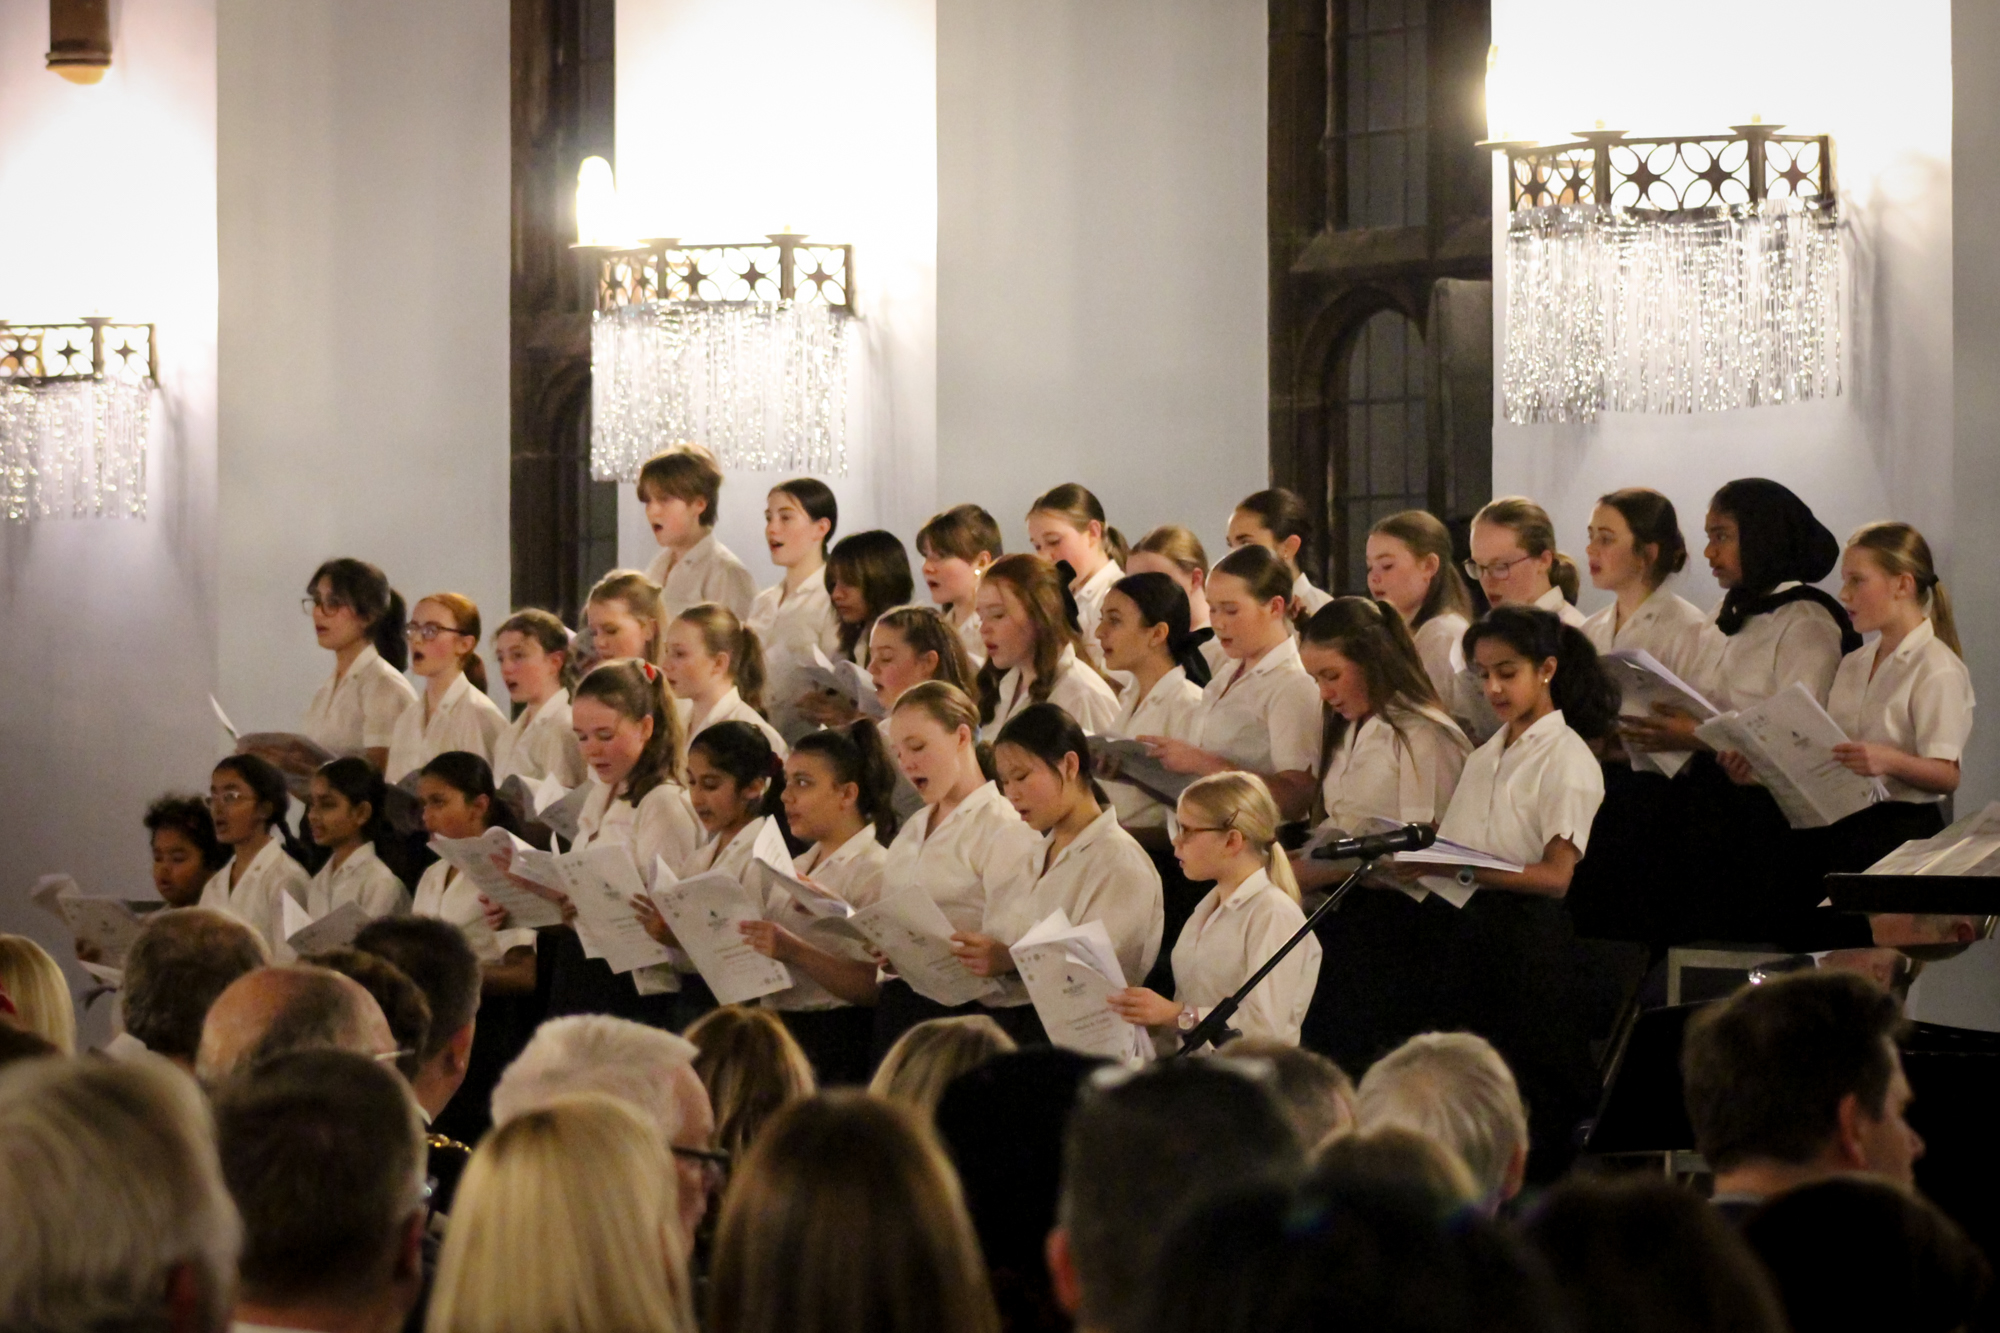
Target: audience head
x: 277, y: 1009
x: 247, y: 799
x: 628, y: 727
x: 1888, y: 563
x: 925, y: 1059
x: 1027, y: 618
x: 565, y: 1219
x: 1522, y: 654
x: 1066, y: 526
x: 323, y: 1152
x: 866, y: 574
x: 180, y: 961
x: 1856, y: 1253
x: 1635, y: 540
x: 347, y: 800
x: 1226, y: 817
x: 846, y: 1218
x: 402, y: 1004
x: 625, y: 618
x: 650, y: 1070
x: 41, y: 997
x: 1646, y: 1256
x: 1453, y: 1088
x: 839, y: 775
x: 536, y: 655
x: 680, y: 488
x: 800, y: 517
x: 351, y: 601
x: 185, y: 852
x: 912, y: 644
x: 1365, y: 662
x: 1514, y: 554
x: 1800, y: 1077
x: 935, y: 730
x: 17, y: 1044
x: 117, y: 1212
x: 732, y: 775
x: 1277, y: 520
x: 956, y: 547
x: 1250, y: 601
x: 434, y: 955
x: 444, y: 638
x: 752, y: 1067
x: 1402, y: 1157
x: 1140, y: 1151
x: 1315, y: 1093
x: 709, y: 650
x: 1410, y: 566
x: 1146, y: 619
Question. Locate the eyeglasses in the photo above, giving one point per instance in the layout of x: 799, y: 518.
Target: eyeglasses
x: 225, y: 799
x: 1178, y: 832
x: 389, y: 1057
x: 423, y: 631
x: 705, y: 1159
x: 1497, y: 570
x: 331, y: 605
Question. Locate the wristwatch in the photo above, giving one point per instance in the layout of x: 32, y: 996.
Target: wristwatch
x: 1466, y: 877
x: 1187, y: 1020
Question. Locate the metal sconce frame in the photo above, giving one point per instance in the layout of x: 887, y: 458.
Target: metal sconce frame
x: 90, y: 349
x: 75, y: 411
x: 1670, y: 175
x: 781, y: 267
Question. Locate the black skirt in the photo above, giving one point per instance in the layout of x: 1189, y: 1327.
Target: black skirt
x: 573, y: 983
x: 900, y: 1008
x: 1381, y: 975
x: 1626, y: 888
x: 839, y: 1042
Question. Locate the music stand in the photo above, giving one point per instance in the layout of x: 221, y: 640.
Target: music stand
x: 1643, y: 1112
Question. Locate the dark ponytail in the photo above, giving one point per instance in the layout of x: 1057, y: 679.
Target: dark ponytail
x: 1048, y: 733
x: 1581, y: 688
x: 366, y: 589
x: 743, y: 751
x: 267, y: 784
x: 357, y: 781
x: 472, y: 777
x: 1162, y: 602
x: 858, y: 754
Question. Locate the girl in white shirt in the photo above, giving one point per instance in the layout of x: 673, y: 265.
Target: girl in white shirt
x: 623, y: 617
x: 1227, y: 831
x: 912, y: 644
x: 866, y: 574
x: 682, y: 490
x: 1280, y: 522
x: 456, y: 794
x: 957, y: 546
x: 795, y: 615
x: 1032, y: 648
x: 248, y: 801
x: 358, y: 618
x: 716, y: 666
x: 1086, y: 866
x: 1410, y: 567
x: 1635, y: 546
x: 344, y: 809
x: 535, y: 657
x: 963, y: 846
x: 1515, y: 559
x: 1066, y: 526
x: 1261, y: 712
x: 454, y: 712
x: 839, y: 788
x: 1175, y: 551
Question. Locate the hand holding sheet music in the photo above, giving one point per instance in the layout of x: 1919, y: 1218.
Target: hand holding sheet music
x: 1788, y: 740
x: 335, y: 930
x: 1445, y: 852
x: 1647, y: 687
x: 1070, y: 972
x: 705, y: 913
x: 474, y: 858
x: 601, y: 882
x: 1133, y: 761
x: 913, y: 933
x: 849, y: 680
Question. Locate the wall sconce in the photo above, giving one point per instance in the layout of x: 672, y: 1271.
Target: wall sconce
x: 75, y: 404
x: 80, y: 39
x: 741, y: 347
x: 1693, y: 273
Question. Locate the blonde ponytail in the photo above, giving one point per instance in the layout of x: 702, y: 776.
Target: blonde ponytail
x: 1242, y: 802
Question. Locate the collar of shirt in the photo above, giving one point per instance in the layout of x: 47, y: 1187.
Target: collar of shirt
x: 360, y: 856
x: 1162, y: 688
x: 264, y: 860
x: 454, y: 694
x: 548, y: 705
x: 1552, y: 600
x: 725, y: 706
x: 1094, y: 832
x: 1099, y: 583
x: 840, y: 855
x: 986, y: 794
x: 1912, y: 644
x: 1024, y: 673
x: 1287, y: 651
x: 361, y: 661
x: 1248, y: 889
x: 700, y: 553
x: 1539, y: 733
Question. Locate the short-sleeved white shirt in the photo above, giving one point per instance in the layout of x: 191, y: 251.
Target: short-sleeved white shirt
x: 1168, y: 709
x: 731, y: 708
x: 1103, y: 875
x: 1668, y: 626
x: 444, y: 893
x: 968, y: 635
x: 358, y: 711
x: 1441, y: 648
x: 662, y: 825
x: 981, y: 846
x: 361, y: 879
x: 1920, y: 701
x: 541, y: 743
x: 1307, y: 596
x: 851, y: 871
x: 465, y: 719
x: 1404, y: 770
x: 1227, y: 939
x: 709, y: 572
x: 1265, y: 719
x: 790, y: 628
x: 255, y: 899
x: 1799, y: 641
x: 1078, y: 691
x: 1513, y: 800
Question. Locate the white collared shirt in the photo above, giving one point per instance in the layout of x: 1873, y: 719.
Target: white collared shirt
x: 1307, y: 596
x: 709, y: 572
x: 1514, y: 800
x: 1919, y: 700
x: 1090, y: 606
x: 1078, y: 691
x: 1265, y: 719
x: 981, y: 843
x: 732, y: 859
x: 447, y: 895
x: 254, y: 900
x: 1228, y: 938
x: 1553, y: 600
x: 1441, y: 648
x: 1798, y: 641
x: 1170, y: 708
x: 1666, y: 625
x: 1403, y: 770
x: 731, y: 708
x: 663, y: 825
x: 852, y: 872
x: 358, y: 711
x: 362, y: 879
x: 790, y: 628
x: 1103, y: 875
x: 541, y: 743
x: 968, y: 634
x: 466, y: 719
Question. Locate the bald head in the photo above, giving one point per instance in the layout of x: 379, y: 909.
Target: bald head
x: 278, y: 1009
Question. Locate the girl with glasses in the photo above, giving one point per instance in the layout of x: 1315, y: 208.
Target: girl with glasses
x: 248, y: 802
x: 1515, y: 559
x: 358, y: 618
x: 454, y: 712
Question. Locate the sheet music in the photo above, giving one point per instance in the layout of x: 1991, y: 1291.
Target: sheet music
x: 1070, y: 972
x: 1137, y: 766
x: 106, y: 925
x: 1971, y: 846
x: 1446, y: 852
x: 705, y: 912
x: 335, y: 930
x: 1643, y: 682
x: 222, y: 717
x: 473, y: 858
x: 561, y: 814
x: 48, y: 892
x: 912, y: 932
x: 602, y: 882
x: 1789, y: 741
x: 849, y: 680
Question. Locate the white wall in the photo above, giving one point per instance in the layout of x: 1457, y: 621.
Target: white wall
x: 1101, y: 257
x: 364, y: 289
x: 107, y: 626
x: 1883, y: 89
x: 737, y: 118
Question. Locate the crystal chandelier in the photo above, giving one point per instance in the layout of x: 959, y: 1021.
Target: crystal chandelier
x: 75, y: 405
x: 1690, y: 274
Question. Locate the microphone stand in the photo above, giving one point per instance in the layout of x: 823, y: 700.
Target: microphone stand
x: 1215, y: 1028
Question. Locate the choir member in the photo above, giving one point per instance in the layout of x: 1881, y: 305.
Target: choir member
x: 344, y: 809
x: 537, y: 665
x: 358, y: 618
x: 682, y: 491
x: 957, y: 547
x: 1410, y: 566
x: 1279, y: 521
x: 795, y: 615
x: 1066, y: 526
x: 1027, y: 620
x: 249, y: 804
x: 625, y: 618
x: 457, y: 796
x: 454, y: 712
x: 715, y: 665
x: 1176, y: 552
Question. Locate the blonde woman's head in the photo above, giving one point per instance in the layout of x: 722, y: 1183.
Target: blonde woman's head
x: 924, y: 1060
x: 752, y: 1067
x: 33, y: 981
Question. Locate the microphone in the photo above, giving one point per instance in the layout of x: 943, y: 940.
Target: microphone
x: 1408, y: 838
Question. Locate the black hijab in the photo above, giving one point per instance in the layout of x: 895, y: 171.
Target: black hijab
x: 1779, y: 541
